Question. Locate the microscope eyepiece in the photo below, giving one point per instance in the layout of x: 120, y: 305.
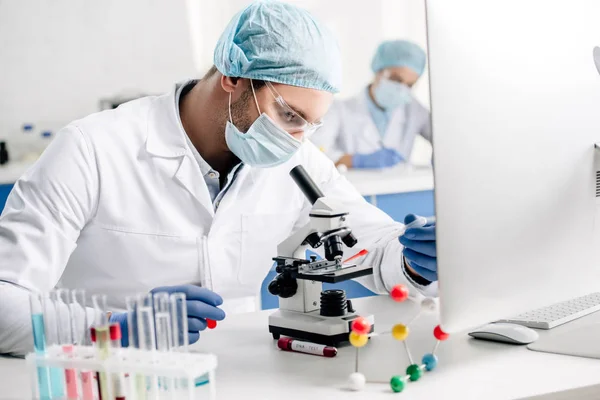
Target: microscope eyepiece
x: 306, y: 184
x: 283, y: 286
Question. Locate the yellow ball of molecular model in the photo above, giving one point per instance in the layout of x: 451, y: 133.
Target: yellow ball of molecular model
x: 360, y: 334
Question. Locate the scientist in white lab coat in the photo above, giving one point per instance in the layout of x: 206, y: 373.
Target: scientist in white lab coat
x: 189, y: 191
x: 377, y: 127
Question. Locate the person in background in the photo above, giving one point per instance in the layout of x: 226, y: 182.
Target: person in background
x: 377, y: 127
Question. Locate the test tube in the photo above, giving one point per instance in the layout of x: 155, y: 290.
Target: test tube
x: 145, y: 314
x: 162, y: 318
x: 146, y: 334
x: 65, y: 338
x: 132, y: 331
x: 180, y: 333
x: 164, y: 337
x: 179, y: 321
x: 36, y: 303
x: 102, y: 340
x: 80, y: 328
x: 93, y: 339
x: 131, y: 303
x: 52, y: 322
x: 118, y: 378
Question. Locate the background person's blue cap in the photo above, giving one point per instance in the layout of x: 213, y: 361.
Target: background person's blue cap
x: 399, y: 53
x: 281, y: 43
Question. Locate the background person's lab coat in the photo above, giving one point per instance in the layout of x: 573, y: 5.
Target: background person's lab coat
x: 118, y: 205
x: 348, y: 128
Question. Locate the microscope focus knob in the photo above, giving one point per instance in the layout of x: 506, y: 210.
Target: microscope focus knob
x: 273, y: 287
x: 283, y: 286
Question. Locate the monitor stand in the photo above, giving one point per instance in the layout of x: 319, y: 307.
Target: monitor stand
x: 582, y: 341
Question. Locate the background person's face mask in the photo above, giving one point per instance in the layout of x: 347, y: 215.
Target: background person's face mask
x: 391, y: 94
x: 264, y: 145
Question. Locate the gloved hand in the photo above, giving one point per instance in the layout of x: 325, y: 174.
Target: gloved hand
x: 380, y: 159
x: 419, y: 249
x: 201, y: 304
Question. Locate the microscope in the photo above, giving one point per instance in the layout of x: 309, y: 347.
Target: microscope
x: 306, y: 311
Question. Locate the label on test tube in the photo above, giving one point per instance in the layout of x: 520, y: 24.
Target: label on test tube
x: 289, y: 344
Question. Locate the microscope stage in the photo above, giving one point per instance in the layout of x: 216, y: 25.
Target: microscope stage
x: 345, y: 273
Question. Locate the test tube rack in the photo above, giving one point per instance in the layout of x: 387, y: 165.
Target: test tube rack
x: 169, y: 375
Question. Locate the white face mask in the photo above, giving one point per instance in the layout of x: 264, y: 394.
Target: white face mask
x: 264, y: 145
x: 391, y: 94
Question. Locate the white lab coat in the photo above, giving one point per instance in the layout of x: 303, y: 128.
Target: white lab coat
x: 117, y: 205
x: 349, y: 128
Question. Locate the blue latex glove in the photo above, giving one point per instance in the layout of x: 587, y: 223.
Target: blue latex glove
x: 419, y: 249
x: 380, y: 159
x: 201, y: 304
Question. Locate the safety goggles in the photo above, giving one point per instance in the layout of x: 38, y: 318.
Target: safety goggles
x: 290, y: 120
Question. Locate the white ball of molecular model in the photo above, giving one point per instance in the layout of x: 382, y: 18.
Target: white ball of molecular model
x: 356, y: 381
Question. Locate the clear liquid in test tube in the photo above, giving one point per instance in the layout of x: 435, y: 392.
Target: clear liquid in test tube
x: 147, y: 338
x: 164, y: 337
x: 179, y: 323
x: 139, y: 381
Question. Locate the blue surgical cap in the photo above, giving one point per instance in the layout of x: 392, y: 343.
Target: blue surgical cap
x: 280, y: 43
x: 399, y: 53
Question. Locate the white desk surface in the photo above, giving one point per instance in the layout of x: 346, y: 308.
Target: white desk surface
x: 250, y: 365
x: 400, y: 179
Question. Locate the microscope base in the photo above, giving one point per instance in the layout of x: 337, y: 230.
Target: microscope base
x: 313, y: 327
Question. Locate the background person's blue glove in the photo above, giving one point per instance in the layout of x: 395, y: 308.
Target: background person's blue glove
x: 380, y: 159
x: 201, y: 304
x: 419, y: 249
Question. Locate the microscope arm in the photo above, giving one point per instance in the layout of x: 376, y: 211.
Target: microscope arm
x: 292, y: 246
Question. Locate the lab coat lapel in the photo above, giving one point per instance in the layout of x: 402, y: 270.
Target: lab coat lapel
x: 166, y: 140
x: 243, y: 183
x: 190, y: 177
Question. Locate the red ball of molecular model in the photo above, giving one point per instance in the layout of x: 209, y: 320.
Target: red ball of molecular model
x: 360, y: 334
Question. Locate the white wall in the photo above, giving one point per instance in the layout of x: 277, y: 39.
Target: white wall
x: 59, y: 57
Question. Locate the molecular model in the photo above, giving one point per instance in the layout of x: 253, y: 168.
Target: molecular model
x: 360, y: 334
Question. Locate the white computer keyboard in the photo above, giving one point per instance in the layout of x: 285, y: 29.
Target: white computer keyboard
x: 559, y: 313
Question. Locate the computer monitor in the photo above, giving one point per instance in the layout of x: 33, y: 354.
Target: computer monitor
x: 515, y: 99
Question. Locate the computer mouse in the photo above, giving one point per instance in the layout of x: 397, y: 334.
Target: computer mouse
x: 505, y: 333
